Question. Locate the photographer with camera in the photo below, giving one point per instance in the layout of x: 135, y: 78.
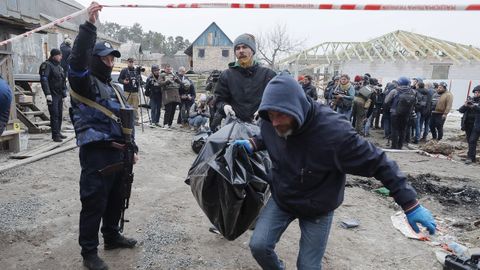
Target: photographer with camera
x: 129, y: 78
x: 187, y: 97
x: 170, y: 84
x: 154, y: 91
x: 471, y: 123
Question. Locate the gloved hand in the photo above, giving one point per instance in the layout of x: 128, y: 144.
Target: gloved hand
x: 245, y: 144
x: 49, y: 99
x: 422, y: 215
x: 228, y: 110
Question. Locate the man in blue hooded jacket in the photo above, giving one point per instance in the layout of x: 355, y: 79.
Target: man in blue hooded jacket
x: 5, y: 101
x: 308, y: 178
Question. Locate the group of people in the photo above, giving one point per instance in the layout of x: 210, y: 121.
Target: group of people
x: 307, y: 178
x: 406, y: 109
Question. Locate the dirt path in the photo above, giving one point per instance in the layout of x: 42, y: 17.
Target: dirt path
x: 39, y: 211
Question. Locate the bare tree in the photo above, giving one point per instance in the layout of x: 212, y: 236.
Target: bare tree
x: 276, y: 43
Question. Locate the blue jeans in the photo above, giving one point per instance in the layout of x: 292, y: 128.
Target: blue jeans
x: 156, y: 109
x: 270, y: 226
x: 368, y: 125
x: 418, y: 126
x: 198, y: 121
x: 425, y: 124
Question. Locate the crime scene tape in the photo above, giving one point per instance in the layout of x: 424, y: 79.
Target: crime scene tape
x: 305, y: 6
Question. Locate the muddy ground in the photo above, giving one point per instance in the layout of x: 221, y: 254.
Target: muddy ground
x: 39, y: 212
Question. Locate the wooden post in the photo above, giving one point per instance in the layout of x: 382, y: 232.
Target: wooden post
x: 469, y: 87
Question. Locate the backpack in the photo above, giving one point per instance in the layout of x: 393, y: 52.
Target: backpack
x: 365, y: 92
x: 405, y: 102
x: 421, y: 104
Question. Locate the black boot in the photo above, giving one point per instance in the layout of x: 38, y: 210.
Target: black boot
x: 119, y: 242
x: 93, y: 262
x: 57, y: 139
x: 62, y: 136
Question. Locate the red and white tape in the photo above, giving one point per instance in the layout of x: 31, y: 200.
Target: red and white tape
x: 373, y: 7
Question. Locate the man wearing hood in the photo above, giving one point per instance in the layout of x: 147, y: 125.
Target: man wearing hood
x: 95, y: 113
x: 308, y: 179
x: 240, y: 87
x: 66, y: 48
x: 154, y: 91
x: 386, y: 118
x: 52, y: 80
x: 423, y: 110
x: 402, y: 102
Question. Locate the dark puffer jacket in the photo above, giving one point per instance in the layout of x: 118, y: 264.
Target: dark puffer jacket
x: 242, y: 88
x: 308, y: 178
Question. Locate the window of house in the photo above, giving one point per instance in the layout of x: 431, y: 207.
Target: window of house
x: 225, y: 53
x: 201, y: 53
x: 440, y: 72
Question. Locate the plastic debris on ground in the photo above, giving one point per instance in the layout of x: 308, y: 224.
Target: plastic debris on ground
x: 382, y: 191
x: 349, y: 223
x: 229, y: 185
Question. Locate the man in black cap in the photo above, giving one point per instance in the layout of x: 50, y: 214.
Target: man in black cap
x: 128, y: 77
x: 240, y: 87
x: 102, y: 135
x: 52, y: 79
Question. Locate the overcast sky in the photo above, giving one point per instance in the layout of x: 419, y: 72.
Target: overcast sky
x: 314, y: 26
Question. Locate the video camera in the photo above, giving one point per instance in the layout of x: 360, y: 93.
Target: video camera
x: 214, y: 76
x: 139, y: 69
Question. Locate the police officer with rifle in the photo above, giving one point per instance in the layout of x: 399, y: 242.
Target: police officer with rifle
x: 104, y: 128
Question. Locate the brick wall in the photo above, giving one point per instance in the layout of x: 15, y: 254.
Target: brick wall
x: 212, y: 59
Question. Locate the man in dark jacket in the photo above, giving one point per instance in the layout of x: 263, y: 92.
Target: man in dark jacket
x: 471, y: 123
x: 308, y: 87
x: 187, y: 97
x: 308, y: 178
x: 423, y: 110
x: 5, y: 102
x: 240, y: 87
x: 154, y: 90
x: 66, y: 48
x: 131, y: 83
x: 95, y: 113
x: 397, y: 100
x: 52, y: 79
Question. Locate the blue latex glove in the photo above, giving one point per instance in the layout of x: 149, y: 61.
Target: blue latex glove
x: 245, y: 144
x: 422, y: 215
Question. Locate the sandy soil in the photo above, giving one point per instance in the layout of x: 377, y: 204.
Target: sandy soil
x: 39, y: 211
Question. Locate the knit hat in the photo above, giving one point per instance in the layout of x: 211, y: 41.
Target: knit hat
x: 54, y: 52
x: 476, y: 89
x: 247, y: 39
x: 358, y: 78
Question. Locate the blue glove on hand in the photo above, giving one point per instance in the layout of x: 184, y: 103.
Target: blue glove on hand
x: 245, y: 144
x: 422, y: 215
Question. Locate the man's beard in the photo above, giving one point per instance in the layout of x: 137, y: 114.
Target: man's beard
x: 245, y: 62
x: 284, y: 134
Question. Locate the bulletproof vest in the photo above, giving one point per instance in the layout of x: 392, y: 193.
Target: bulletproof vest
x: 90, y: 124
x: 56, y: 77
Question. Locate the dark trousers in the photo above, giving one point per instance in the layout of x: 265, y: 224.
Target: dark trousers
x: 387, y: 125
x: 100, y: 196
x: 184, y: 112
x: 436, y: 126
x: 55, y: 108
x: 156, y: 110
x: 169, y: 113
x: 375, y: 120
x: 399, y: 129
x: 472, y: 144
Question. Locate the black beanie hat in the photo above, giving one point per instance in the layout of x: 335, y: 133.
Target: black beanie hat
x: 54, y: 52
x: 476, y: 89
